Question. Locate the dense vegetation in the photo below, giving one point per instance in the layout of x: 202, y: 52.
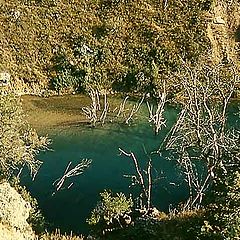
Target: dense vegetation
x: 19, y: 144
x: 147, y: 46
x: 117, y: 45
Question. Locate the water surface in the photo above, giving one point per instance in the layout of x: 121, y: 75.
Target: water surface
x: 69, y: 208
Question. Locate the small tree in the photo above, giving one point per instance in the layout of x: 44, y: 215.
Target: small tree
x: 111, y: 211
x: 19, y: 143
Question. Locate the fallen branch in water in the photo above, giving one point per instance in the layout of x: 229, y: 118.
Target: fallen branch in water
x: 75, y: 171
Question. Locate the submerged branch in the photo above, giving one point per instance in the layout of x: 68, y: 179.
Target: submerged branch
x: 75, y: 171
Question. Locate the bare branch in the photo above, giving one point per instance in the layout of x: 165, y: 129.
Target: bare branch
x: 156, y: 117
x: 144, y: 182
x: 75, y: 171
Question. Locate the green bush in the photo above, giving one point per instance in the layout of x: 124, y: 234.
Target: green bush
x: 111, y: 210
x: 65, y: 80
x: 223, y: 214
x: 19, y: 144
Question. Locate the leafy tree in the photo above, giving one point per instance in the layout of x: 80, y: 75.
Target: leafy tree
x: 19, y: 143
x: 111, y: 211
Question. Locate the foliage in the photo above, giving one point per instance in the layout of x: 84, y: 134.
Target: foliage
x: 182, y: 226
x: 64, y: 80
x: 68, y: 77
x: 223, y: 214
x: 111, y: 209
x: 19, y: 144
x: 114, y: 43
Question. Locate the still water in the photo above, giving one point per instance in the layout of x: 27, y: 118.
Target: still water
x: 68, y: 209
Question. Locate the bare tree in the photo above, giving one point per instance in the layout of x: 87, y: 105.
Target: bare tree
x: 100, y: 111
x: 156, y: 112
x: 200, y: 136
x: 200, y: 141
x: 92, y: 111
x: 142, y: 178
x: 134, y: 110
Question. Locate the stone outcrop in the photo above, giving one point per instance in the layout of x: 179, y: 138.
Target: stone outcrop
x: 222, y: 29
x: 14, y: 212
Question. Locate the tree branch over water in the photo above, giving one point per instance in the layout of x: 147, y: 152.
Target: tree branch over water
x: 145, y: 183
x: 200, y: 136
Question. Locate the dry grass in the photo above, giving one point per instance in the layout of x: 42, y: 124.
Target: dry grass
x: 58, y: 236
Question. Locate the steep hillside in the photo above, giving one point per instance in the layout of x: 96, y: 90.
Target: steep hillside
x: 223, y: 31
x: 121, y: 45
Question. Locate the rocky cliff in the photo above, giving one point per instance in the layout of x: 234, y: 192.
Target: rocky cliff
x: 14, y: 212
x: 223, y: 30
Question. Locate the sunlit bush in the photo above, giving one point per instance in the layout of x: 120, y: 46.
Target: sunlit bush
x: 111, y: 210
x: 19, y: 143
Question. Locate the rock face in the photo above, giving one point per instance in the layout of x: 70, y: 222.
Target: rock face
x: 221, y: 30
x: 14, y: 212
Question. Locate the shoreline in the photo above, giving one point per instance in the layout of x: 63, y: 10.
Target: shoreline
x: 58, y: 111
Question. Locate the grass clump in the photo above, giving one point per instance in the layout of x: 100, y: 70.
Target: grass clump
x: 57, y: 235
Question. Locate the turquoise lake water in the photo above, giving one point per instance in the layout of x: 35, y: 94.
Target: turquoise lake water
x: 69, y: 208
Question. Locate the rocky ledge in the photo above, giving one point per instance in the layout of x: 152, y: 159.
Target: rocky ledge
x: 14, y: 212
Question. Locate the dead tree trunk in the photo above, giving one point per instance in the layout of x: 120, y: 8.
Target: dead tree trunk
x: 144, y: 182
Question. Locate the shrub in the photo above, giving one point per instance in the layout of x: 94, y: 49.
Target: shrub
x: 223, y: 214
x: 111, y: 210
x: 65, y: 80
x: 19, y: 143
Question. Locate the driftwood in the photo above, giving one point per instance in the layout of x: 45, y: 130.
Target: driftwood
x: 68, y: 173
